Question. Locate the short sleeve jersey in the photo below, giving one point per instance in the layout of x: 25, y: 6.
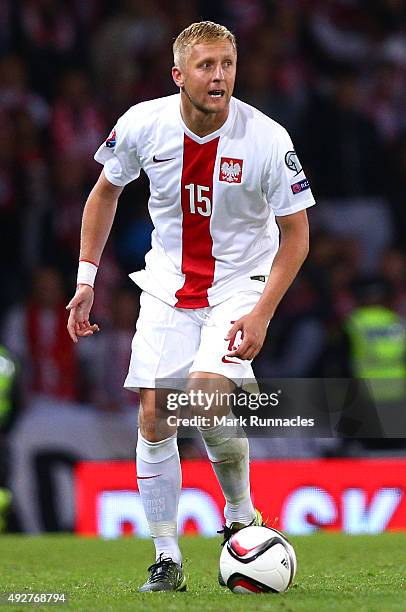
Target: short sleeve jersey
x: 213, y: 199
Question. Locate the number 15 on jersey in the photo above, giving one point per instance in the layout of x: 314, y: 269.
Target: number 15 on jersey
x: 196, y: 197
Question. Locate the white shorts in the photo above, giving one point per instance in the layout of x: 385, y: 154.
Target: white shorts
x: 170, y: 343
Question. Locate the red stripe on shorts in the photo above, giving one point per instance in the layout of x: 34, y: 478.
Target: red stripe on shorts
x: 197, y: 259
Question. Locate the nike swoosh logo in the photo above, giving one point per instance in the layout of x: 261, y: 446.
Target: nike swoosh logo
x: 225, y: 360
x: 158, y: 161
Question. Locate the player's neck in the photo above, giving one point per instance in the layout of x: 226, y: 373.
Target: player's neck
x: 200, y: 123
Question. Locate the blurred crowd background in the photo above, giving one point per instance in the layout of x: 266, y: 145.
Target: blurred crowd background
x: 333, y: 72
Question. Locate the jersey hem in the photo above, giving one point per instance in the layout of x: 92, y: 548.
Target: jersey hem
x: 141, y: 383
x: 111, y: 179
x: 146, y: 283
x: 293, y: 209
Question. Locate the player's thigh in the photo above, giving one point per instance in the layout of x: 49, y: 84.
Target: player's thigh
x: 164, y: 346
x: 212, y: 354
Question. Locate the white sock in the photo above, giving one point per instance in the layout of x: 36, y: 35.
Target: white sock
x: 159, y: 483
x: 229, y: 457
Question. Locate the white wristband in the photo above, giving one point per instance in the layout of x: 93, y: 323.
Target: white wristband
x: 86, y: 273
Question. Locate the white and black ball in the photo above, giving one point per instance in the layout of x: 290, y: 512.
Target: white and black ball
x: 258, y: 560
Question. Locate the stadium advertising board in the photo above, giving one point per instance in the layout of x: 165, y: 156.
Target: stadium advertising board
x: 351, y: 495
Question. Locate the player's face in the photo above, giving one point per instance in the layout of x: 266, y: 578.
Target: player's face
x: 208, y: 75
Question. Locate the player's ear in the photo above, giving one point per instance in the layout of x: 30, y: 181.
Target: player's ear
x: 177, y: 76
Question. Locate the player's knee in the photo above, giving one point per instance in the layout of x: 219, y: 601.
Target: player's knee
x: 209, y: 392
x: 153, y: 420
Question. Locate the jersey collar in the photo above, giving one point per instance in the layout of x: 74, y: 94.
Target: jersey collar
x: 222, y: 130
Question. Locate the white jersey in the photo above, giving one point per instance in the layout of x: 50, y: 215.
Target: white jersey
x: 213, y: 199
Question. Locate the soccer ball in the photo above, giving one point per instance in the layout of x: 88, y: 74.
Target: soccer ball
x: 258, y: 560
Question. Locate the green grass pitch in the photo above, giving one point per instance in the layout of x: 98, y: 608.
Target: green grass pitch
x: 335, y: 573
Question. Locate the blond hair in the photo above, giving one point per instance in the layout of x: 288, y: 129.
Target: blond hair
x: 202, y: 31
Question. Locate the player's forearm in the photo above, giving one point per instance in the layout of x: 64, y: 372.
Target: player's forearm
x: 98, y: 217
x: 292, y: 252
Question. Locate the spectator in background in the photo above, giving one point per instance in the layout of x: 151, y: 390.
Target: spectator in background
x: 344, y: 151
x: 111, y: 354
x: 10, y: 406
x: 275, y: 75
x: 49, y: 40
x: 88, y: 14
x: 34, y: 189
x: 70, y: 183
x: 263, y: 84
x: 334, y: 263
x: 396, y: 186
x: 135, y: 241
x: 297, y: 338
x: 16, y: 95
x: 126, y: 43
x: 6, y: 25
x: 373, y: 345
x: 393, y: 269
x: 385, y: 100
x: 36, y: 334
x: 77, y: 122
x: 374, y: 337
x: 10, y: 401
x: 10, y: 221
x: 244, y: 16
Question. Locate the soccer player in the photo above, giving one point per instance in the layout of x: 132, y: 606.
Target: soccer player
x: 220, y: 175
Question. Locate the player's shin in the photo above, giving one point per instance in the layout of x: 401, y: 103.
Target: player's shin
x: 159, y: 483
x: 228, y: 451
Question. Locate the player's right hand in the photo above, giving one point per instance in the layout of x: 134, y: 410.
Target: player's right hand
x: 79, y: 310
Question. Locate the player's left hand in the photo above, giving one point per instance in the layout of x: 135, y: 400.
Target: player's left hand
x: 79, y: 310
x: 252, y: 329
